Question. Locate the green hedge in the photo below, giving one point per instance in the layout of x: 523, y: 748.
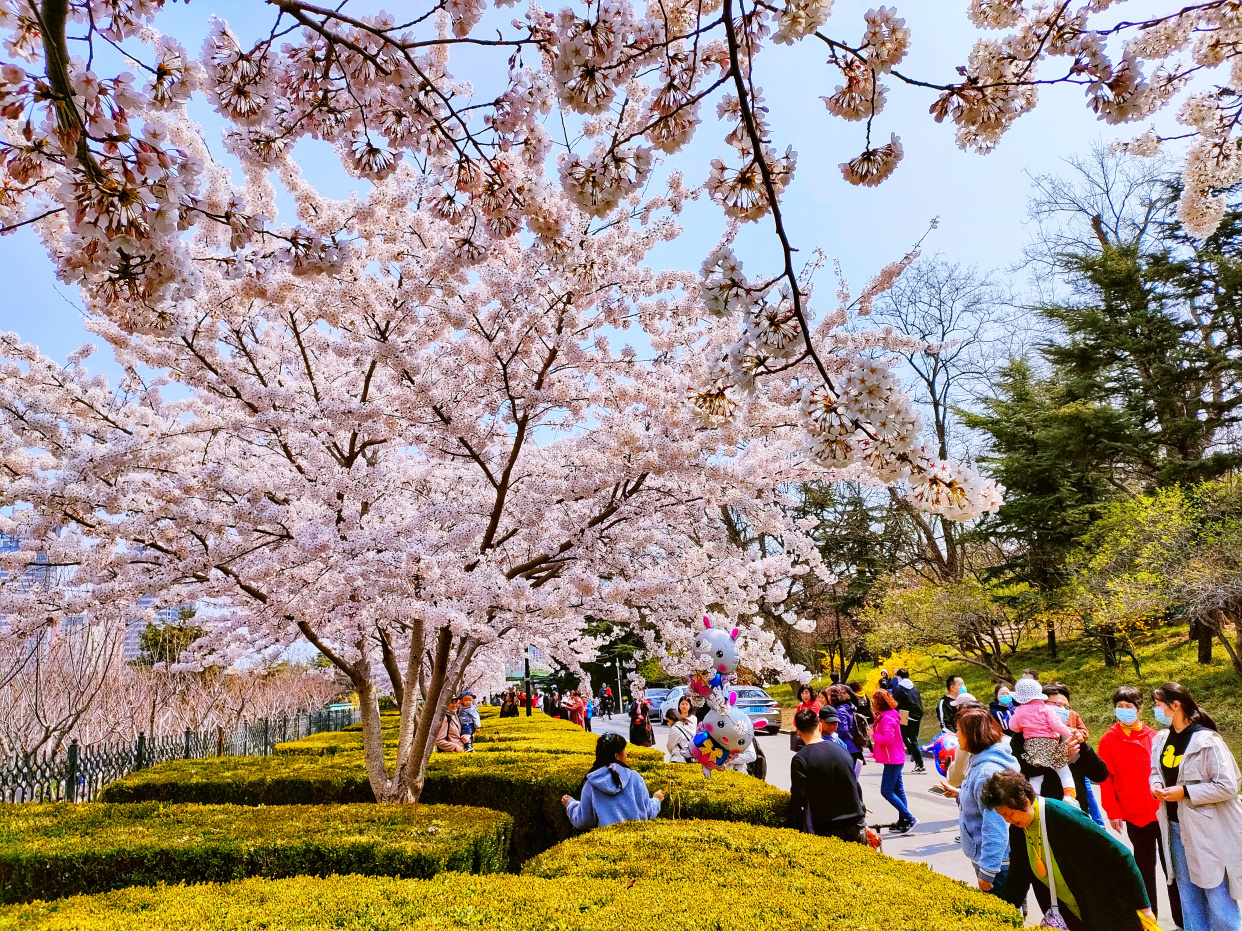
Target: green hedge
x: 551, y: 735
x: 527, y: 785
x: 240, y: 780
x: 450, y: 902
x: 50, y: 851
x: 829, y: 883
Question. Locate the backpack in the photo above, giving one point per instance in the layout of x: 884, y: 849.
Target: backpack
x: 862, y: 731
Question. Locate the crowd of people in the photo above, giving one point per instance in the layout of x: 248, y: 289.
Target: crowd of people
x: 1025, y: 778
x: 1026, y: 814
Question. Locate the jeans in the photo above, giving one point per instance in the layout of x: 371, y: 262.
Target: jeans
x: 894, y: 792
x: 1093, y: 806
x: 910, y: 737
x: 1202, y: 909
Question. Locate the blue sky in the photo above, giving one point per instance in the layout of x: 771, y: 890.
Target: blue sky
x: 981, y: 200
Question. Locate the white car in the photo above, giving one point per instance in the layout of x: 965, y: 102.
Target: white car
x: 758, y: 705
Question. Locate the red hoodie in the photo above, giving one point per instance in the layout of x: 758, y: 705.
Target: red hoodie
x: 1126, y: 793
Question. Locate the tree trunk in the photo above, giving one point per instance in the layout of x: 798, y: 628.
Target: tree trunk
x: 1108, y: 644
x: 1204, y: 633
x: 1052, y: 640
x: 1220, y: 622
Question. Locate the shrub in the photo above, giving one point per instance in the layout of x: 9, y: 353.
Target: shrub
x: 450, y: 902
x: 238, y: 780
x: 49, y: 851
x: 819, y: 878
x: 553, y: 735
x: 527, y: 785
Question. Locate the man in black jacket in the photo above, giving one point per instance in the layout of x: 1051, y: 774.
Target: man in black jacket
x: 826, y: 798
x: 945, y: 710
x: 910, y: 701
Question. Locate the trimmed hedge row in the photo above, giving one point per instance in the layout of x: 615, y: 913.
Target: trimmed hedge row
x: 50, y: 851
x: 557, y: 736
x: 909, y: 898
x: 817, y: 879
x: 527, y: 785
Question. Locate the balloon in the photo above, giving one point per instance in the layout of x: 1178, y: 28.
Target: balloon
x: 718, y: 646
x: 702, y: 683
x: 943, y: 749
x: 724, y: 733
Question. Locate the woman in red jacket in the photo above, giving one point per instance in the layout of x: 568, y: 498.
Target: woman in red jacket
x: 1126, y: 794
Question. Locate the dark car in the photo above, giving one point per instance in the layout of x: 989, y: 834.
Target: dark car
x: 654, y: 698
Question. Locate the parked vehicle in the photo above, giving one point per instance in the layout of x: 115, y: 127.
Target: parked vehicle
x: 753, y: 700
x: 654, y: 699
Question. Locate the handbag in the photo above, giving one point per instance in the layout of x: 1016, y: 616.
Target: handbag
x: 1052, y: 917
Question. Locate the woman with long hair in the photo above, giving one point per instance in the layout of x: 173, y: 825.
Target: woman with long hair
x: 890, y: 752
x: 1196, y: 780
x: 841, y: 699
x: 984, y: 834
x: 612, y: 791
x: 681, y: 730
x: 640, y: 723
x: 509, y: 706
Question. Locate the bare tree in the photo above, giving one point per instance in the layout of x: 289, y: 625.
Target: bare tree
x: 968, y: 322
x: 1104, y: 197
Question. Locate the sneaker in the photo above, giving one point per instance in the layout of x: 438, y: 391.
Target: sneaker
x: 903, y: 827
x: 919, y: 771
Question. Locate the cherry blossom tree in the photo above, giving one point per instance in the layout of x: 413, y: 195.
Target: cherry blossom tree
x: 98, y: 157
x: 431, y: 452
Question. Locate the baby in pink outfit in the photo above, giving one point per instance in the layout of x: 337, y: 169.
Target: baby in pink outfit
x: 1043, y: 730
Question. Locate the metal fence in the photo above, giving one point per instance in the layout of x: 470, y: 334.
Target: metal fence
x: 77, y: 774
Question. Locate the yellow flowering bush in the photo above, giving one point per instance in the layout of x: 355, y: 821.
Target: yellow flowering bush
x: 910, y: 899
x: 822, y: 876
x: 49, y: 851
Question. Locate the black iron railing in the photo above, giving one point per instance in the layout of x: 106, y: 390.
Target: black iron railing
x: 77, y: 774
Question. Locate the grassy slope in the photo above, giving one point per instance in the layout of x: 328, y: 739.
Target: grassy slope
x: 1164, y: 655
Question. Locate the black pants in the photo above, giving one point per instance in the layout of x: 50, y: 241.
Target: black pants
x: 910, y: 736
x: 851, y: 833
x: 1146, y: 843
x: 586, y: 725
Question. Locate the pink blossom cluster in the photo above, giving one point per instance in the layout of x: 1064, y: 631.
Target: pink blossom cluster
x: 856, y: 419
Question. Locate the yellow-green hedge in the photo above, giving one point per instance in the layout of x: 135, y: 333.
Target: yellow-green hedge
x: 781, y: 863
x: 550, y: 735
x: 830, y: 883
x: 49, y: 851
x: 527, y: 785
x: 451, y: 902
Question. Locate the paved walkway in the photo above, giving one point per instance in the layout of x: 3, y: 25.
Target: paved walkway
x: 933, y: 841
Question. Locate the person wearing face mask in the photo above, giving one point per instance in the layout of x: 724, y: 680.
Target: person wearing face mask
x: 1196, y: 780
x: 1125, y: 749
x: 1001, y: 707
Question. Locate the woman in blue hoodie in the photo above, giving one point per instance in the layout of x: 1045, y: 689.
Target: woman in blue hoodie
x: 612, y: 792
x: 984, y: 833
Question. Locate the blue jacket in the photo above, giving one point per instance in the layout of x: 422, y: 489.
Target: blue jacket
x: 612, y: 795
x: 985, y: 835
